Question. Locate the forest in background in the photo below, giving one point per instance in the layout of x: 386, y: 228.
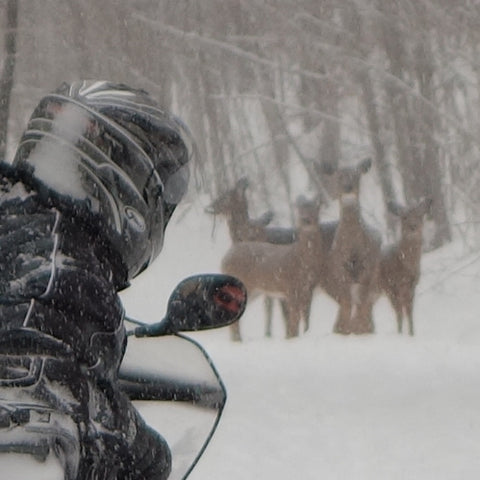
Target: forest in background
x: 272, y: 89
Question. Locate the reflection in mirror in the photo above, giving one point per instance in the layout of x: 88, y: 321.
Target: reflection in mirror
x: 200, y: 302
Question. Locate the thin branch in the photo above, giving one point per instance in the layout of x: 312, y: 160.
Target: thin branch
x: 227, y: 47
x: 299, y: 108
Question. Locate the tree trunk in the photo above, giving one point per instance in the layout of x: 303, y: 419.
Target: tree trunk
x: 374, y: 125
x: 330, y: 151
x: 275, y: 127
x: 433, y: 174
x: 6, y: 79
x: 415, y: 125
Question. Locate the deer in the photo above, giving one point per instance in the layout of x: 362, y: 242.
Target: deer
x: 400, y: 263
x: 234, y: 206
x: 287, y: 271
x: 354, y: 257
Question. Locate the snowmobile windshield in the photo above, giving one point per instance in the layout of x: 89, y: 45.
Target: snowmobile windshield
x: 173, y: 383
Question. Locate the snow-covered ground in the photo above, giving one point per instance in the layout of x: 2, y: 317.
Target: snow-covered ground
x: 383, y: 406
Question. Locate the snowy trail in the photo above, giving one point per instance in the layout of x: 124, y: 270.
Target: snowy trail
x: 323, y: 406
x: 326, y: 407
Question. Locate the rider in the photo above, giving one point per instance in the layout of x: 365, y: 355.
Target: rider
x: 96, y: 177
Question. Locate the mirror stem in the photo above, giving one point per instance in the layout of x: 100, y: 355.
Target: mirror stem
x: 154, y: 330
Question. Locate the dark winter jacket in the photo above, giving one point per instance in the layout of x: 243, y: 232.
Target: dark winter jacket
x: 56, y: 278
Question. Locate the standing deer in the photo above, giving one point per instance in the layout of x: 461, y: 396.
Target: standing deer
x: 290, y: 271
x: 234, y: 206
x: 353, y: 265
x: 400, y: 263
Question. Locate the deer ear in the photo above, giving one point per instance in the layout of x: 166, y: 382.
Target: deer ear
x: 365, y: 165
x: 266, y: 218
x: 395, y: 208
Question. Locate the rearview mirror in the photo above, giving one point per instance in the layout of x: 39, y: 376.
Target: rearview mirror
x: 200, y: 302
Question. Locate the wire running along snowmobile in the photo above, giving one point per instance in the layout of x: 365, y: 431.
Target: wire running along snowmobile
x: 168, y: 375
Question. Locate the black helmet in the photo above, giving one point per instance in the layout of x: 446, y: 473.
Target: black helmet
x: 109, y: 153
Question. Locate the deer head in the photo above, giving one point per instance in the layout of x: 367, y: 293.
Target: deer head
x: 232, y: 200
x: 348, y: 179
x: 411, y: 217
x: 307, y: 212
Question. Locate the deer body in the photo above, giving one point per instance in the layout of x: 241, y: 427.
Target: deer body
x: 353, y: 265
x: 400, y: 263
x: 234, y: 206
x: 289, y: 272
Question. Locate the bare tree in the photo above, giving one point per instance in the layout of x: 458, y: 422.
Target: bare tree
x: 6, y: 79
x: 257, y: 81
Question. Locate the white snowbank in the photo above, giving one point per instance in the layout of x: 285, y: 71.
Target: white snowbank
x: 324, y: 406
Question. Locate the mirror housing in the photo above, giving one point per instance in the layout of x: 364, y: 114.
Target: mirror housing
x: 200, y: 302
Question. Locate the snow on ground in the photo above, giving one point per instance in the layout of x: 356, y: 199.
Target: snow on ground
x: 383, y: 406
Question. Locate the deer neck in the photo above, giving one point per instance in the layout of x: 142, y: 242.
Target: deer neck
x: 409, y: 251
x: 238, y: 223
x: 411, y: 246
x: 350, y: 233
x: 309, y: 239
x: 350, y: 214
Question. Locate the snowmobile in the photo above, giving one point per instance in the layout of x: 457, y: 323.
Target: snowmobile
x: 86, y: 393
x: 169, y: 377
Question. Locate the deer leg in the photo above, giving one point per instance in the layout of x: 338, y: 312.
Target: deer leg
x: 397, y: 307
x: 306, y: 317
x: 399, y: 314
x: 355, y: 299
x: 356, y: 314
x: 365, y: 318
x: 359, y: 321
x: 361, y: 313
x: 293, y: 328
x: 268, y: 316
x: 364, y: 313
x: 293, y: 319
x: 342, y: 323
x: 284, y: 308
x: 410, y: 324
x: 306, y: 311
x: 409, y: 313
